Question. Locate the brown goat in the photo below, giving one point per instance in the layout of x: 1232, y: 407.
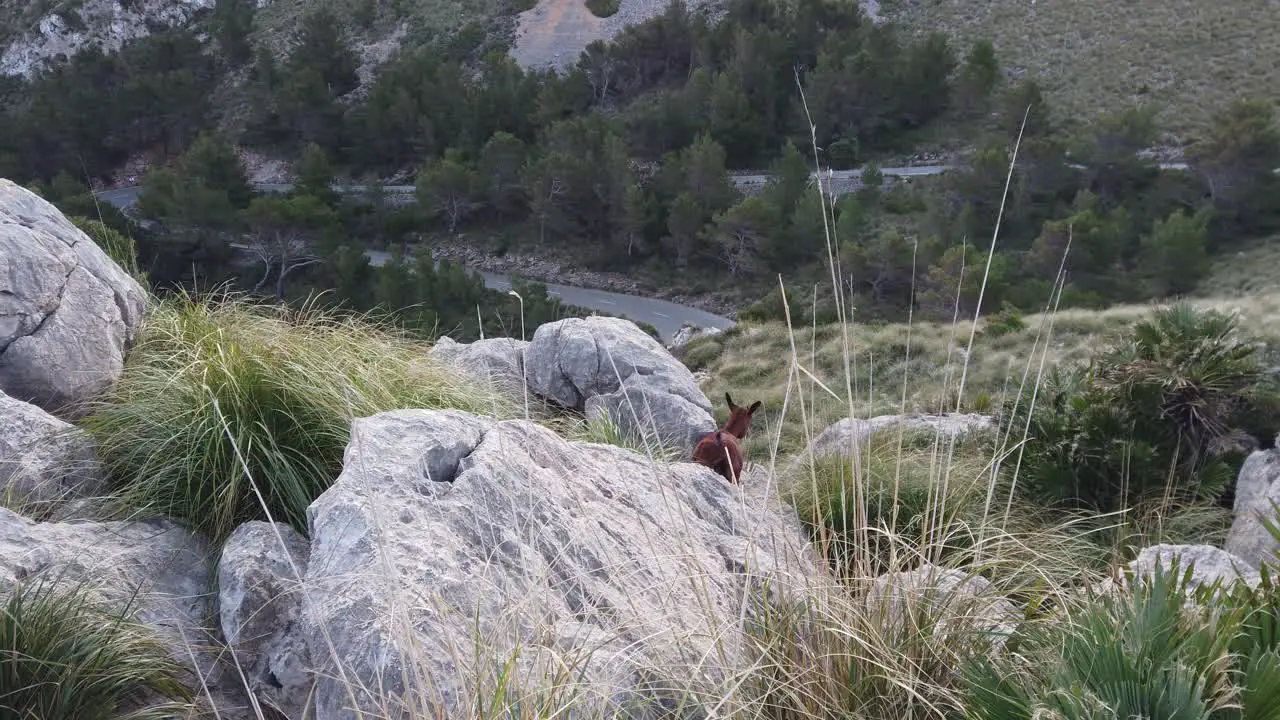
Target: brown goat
x: 722, y: 450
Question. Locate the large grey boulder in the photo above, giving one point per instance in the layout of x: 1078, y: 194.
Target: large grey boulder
x: 840, y: 436
x: 956, y: 604
x: 452, y: 546
x: 68, y: 313
x: 1208, y: 565
x: 660, y: 421
x: 495, y: 362
x: 1257, y: 487
x: 44, y: 462
x: 259, y: 601
x: 155, y: 568
x: 608, y: 365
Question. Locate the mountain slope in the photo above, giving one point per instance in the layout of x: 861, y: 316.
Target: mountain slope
x: 1187, y: 56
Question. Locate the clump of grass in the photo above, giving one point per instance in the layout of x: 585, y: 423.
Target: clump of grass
x: 853, y: 650
x: 63, y: 656
x: 922, y: 497
x: 227, y: 410
x: 701, y: 351
x: 121, y: 249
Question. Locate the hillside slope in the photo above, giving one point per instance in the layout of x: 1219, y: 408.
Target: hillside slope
x: 917, y: 368
x: 1188, y: 57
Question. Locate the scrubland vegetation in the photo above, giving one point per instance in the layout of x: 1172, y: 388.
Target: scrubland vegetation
x: 230, y: 410
x: 1189, y: 64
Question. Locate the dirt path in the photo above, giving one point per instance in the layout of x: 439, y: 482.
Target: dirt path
x: 554, y: 33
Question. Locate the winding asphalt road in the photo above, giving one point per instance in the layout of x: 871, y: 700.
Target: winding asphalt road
x: 667, y: 317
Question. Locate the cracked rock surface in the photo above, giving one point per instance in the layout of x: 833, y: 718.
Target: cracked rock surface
x: 44, y: 461
x: 445, y: 528
x: 68, y: 313
x: 1257, y: 488
x: 608, y: 365
x: 258, y: 606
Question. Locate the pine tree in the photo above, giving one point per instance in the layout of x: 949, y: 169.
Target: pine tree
x: 446, y: 188
x: 315, y: 175
x: 233, y: 23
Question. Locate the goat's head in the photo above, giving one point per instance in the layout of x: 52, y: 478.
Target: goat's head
x: 739, y: 417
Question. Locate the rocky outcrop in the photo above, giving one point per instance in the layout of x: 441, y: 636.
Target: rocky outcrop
x: 453, y: 548
x: 838, y: 437
x: 259, y: 601
x: 495, y: 362
x: 155, y: 568
x: 68, y: 313
x: 44, y: 462
x: 106, y: 24
x: 688, y: 334
x: 609, y: 366
x: 1257, y: 498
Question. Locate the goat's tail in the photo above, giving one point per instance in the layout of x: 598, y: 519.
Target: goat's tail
x: 720, y: 440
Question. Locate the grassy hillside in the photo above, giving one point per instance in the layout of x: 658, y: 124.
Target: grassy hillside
x: 1247, y: 271
x: 1190, y: 57
x: 753, y: 363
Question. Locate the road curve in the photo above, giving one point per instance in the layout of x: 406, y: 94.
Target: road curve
x: 667, y: 317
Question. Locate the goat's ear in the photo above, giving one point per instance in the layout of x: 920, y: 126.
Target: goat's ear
x: 754, y: 407
x: 729, y: 400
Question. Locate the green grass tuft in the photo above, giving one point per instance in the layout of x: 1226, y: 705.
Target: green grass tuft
x: 123, y: 250
x: 65, y: 657
x: 1144, y: 653
x: 227, y: 410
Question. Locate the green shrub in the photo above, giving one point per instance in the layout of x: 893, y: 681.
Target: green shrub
x: 65, y: 657
x: 1007, y: 321
x: 119, y: 247
x: 700, y: 352
x: 223, y: 400
x: 800, y: 302
x: 604, y: 8
x: 1148, y: 654
x: 1162, y: 412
